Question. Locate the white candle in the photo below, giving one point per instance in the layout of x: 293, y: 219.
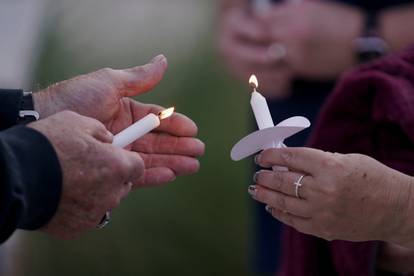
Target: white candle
x: 140, y: 128
x: 259, y: 105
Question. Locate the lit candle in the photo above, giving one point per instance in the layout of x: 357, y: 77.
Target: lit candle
x: 140, y: 128
x: 259, y: 105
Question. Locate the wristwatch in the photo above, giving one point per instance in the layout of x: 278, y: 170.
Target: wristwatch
x: 27, y: 114
x: 370, y: 45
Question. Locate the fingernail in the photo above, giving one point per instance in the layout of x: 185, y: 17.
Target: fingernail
x: 158, y: 58
x: 257, y: 159
x: 252, y: 190
x: 256, y: 176
x: 269, y: 209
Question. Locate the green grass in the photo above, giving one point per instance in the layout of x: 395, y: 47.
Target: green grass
x: 198, y: 225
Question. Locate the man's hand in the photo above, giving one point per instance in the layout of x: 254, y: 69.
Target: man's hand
x: 96, y: 175
x: 105, y: 96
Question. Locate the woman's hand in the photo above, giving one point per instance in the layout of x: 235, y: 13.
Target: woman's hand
x: 349, y: 197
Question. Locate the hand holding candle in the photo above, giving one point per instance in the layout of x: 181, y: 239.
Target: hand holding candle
x: 170, y: 151
x: 268, y: 136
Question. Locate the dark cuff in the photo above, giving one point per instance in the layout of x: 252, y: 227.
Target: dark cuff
x: 41, y: 182
x: 10, y: 101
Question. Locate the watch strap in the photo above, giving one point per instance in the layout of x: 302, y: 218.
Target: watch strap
x: 27, y: 114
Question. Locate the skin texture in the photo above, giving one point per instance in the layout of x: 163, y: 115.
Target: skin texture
x: 95, y: 173
x: 318, y: 37
x: 168, y: 152
x: 98, y: 175
x: 349, y: 197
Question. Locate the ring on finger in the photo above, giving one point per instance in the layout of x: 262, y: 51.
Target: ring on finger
x: 298, y: 184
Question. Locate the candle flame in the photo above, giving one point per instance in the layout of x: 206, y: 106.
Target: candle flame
x: 166, y: 113
x: 253, y: 82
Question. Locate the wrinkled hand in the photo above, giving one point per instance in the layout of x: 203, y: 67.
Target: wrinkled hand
x: 96, y: 175
x: 348, y: 197
x: 244, y: 42
x: 319, y: 36
x: 104, y: 95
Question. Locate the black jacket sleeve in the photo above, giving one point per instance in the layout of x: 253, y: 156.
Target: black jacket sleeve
x: 30, y: 173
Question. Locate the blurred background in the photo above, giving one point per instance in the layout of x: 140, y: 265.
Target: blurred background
x: 198, y: 225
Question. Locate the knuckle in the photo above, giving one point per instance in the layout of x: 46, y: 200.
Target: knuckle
x: 106, y: 171
x: 287, y: 156
x: 69, y: 113
x: 106, y: 71
x: 277, y: 180
x: 122, y: 170
x: 333, y: 162
x: 117, y: 168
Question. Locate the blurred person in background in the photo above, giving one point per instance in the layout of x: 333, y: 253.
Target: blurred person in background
x: 298, y: 49
x: 61, y: 174
x: 361, y: 210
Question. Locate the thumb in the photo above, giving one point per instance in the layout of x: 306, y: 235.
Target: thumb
x: 141, y: 79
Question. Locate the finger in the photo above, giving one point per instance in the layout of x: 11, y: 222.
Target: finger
x: 178, y: 124
x: 298, y: 223
x: 253, y: 55
x: 180, y: 165
x: 246, y: 28
x: 103, y: 135
x: 284, y: 182
x: 161, y: 143
x: 153, y: 177
x: 96, y: 129
x: 307, y: 160
x: 129, y: 166
x: 140, y: 79
x: 280, y: 201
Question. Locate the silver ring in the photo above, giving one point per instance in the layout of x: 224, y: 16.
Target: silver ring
x: 298, y: 184
x: 277, y: 52
x: 105, y: 220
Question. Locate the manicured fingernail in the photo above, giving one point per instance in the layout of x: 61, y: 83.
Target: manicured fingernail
x: 256, y: 176
x: 269, y: 209
x: 252, y: 190
x: 257, y: 159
